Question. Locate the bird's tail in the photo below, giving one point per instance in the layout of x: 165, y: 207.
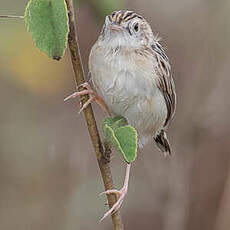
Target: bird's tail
x: 162, y: 142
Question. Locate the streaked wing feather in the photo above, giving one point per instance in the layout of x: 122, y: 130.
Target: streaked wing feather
x: 165, y: 81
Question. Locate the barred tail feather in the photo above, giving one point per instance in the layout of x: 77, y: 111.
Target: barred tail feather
x: 162, y: 142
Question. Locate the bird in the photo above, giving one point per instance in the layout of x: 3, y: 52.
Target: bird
x: 132, y: 78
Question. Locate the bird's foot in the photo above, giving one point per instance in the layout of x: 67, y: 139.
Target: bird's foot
x: 120, y: 195
x: 92, y: 97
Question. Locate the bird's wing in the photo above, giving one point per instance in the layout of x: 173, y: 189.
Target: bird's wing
x: 165, y: 81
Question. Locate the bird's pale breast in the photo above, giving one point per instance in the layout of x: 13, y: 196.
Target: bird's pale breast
x: 126, y: 82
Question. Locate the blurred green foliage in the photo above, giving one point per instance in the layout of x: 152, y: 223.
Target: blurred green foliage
x: 103, y: 7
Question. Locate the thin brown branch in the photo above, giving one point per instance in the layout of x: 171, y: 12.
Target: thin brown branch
x: 12, y: 16
x: 89, y: 115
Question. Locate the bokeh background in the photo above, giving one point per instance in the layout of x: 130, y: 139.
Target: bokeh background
x: 49, y: 178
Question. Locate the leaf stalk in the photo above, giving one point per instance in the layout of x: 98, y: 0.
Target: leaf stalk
x: 12, y: 16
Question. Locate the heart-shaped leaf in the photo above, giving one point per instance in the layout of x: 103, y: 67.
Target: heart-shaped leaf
x: 47, y: 20
x: 123, y: 137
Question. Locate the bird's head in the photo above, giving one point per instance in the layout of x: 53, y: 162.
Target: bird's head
x: 126, y: 29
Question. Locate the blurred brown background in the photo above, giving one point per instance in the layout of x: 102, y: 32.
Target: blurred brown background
x: 49, y: 178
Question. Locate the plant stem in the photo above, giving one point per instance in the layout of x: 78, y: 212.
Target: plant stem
x: 89, y: 115
x: 12, y: 16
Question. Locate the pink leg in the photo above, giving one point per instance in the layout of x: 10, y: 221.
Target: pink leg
x: 120, y: 194
x: 92, y: 97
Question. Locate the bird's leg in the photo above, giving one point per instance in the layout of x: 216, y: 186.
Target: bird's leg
x: 120, y: 194
x: 92, y: 97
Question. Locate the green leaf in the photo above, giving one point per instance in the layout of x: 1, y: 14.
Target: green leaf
x: 121, y: 136
x: 47, y: 20
x: 115, y: 122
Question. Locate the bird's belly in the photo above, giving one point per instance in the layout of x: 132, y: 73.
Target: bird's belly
x: 134, y: 97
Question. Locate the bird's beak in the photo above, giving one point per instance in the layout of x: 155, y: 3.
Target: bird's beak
x: 115, y: 28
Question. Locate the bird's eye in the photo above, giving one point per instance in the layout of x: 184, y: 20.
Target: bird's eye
x: 136, y: 27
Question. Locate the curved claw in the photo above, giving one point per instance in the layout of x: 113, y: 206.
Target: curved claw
x: 92, y: 97
x: 80, y: 93
x: 84, y: 85
x: 111, y: 191
x: 71, y: 96
x: 120, y: 194
x: 115, y: 207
